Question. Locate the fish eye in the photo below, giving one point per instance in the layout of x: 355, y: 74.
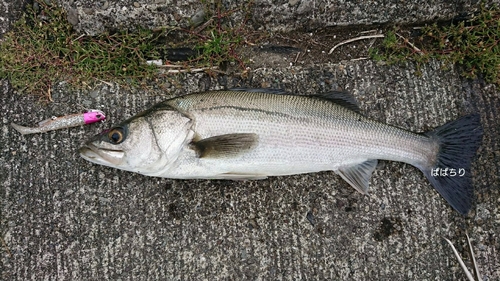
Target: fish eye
x: 116, y: 135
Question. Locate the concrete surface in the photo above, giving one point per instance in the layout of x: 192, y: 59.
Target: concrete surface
x: 93, y: 17
x: 63, y: 218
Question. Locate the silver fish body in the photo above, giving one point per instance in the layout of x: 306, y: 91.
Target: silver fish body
x: 255, y: 134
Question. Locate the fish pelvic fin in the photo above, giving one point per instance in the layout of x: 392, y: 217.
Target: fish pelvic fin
x: 450, y: 174
x: 359, y: 176
x: 228, y: 145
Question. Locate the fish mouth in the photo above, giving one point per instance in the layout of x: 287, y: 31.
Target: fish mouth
x: 102, y: 156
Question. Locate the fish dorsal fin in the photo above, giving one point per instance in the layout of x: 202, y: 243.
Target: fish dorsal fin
x: 262, y: 90
x: 358, y: 176
x: 229, y: 145
x: 344, y: 99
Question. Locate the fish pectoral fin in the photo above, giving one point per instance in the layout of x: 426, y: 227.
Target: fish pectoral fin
x: 358, y: 176
x: 229, y: 145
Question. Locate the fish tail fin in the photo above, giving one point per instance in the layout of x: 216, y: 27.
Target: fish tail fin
x: 450, y: 174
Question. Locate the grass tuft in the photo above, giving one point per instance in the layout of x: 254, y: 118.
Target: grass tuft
x: 472, y: 44
x: 42, y: 49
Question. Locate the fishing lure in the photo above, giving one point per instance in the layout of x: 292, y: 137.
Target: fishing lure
x: 67, y: 121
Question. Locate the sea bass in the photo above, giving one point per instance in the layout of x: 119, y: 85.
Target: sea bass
x: 256, y: 133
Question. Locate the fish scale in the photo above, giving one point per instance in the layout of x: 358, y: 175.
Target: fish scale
x: 322, y: 129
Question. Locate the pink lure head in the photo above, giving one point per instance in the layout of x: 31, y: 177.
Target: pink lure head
x: 93, y: 116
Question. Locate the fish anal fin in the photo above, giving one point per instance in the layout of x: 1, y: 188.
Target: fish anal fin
x: 358, y: 176
x: 229, y: 145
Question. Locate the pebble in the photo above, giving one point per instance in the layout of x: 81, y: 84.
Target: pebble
x: 105, y: 5
x: 304, y: 7
x: 94, y: 94
x: 86, y: 103
x: 88, y: 11
x: 198, y: 18
x: 72, y: 16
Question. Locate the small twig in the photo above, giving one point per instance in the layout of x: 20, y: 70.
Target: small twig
x: 360, y: 58
x: 184, y: 68
x: 192, y: 70
x: 476, y: 269
x: 170, y: 66
x: 461, y: 262
x: 355, y: 39
x: 49, y: 95
x: 107, y: 83
x: 410, y: 44
x: 287, y: 38
x: 250, y: 43
x: 368, y: 31
x: 297, y: 57
x: 203, y: 26
x: 77, y: 38
x: 5, y: 246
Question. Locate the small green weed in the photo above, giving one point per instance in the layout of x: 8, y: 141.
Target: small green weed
x: 217, y: 40
x: 473, y: 44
